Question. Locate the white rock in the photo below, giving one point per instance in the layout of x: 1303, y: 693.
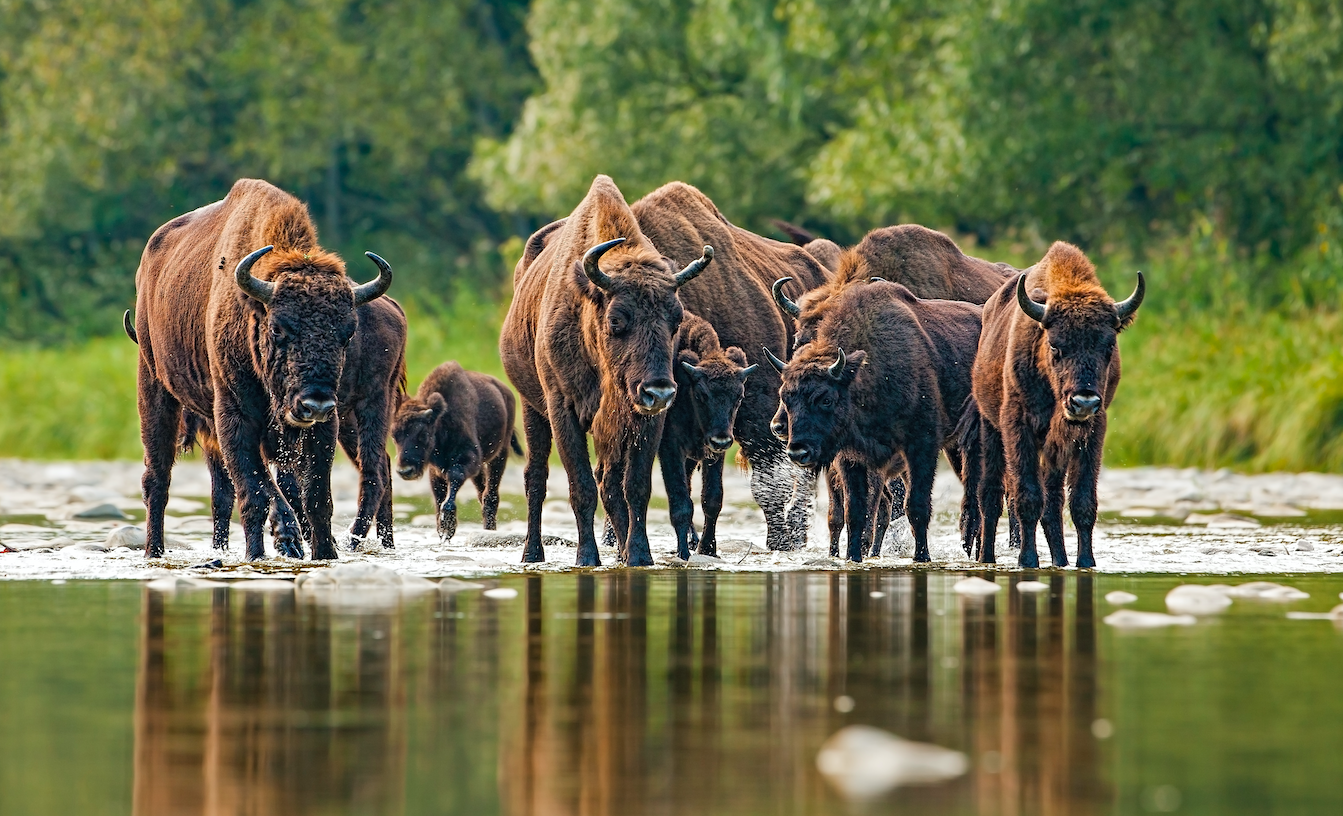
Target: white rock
x: 1194, y: 599
x: 101, y: 511
x: 131, y: 538
x: 263, y: 585
x: 451, y: 585
x: 704, y: 560
x: 1119, y: 597
x: 1267, y: 591
x: 974, y: 586
x: 501, y: 593
x: 1130, y: 619
x: 862, y: 762
x: 1031, y: 586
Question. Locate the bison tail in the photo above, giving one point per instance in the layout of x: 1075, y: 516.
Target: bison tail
x: 515, y: 444
x: 795, y: 233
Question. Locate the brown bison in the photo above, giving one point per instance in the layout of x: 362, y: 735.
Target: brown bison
x: 459, y: 425
x: 735, y: 300
x: 259, y: 348
x: 1044, y: 377
x: 890, y: 403
x: 710, y: 384
x: 588, y: 344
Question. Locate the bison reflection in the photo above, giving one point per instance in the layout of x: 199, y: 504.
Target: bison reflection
x: 288, y: 711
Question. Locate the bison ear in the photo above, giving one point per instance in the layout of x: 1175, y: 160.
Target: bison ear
x: 736, y: 355
x: 855, y: 361
x: 437, y: 404
x: 585, y: 285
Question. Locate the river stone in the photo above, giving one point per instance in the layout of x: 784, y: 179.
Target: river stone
x: 1195, y: 599
x: 1031, y: 586
x: 862, y: 762
x: 1119, y: 597
x: 1131, y: 619
x: 974, y: 586
x: 101, y: 511
x: 132, y: 538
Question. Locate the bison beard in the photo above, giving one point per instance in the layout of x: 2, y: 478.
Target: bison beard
x: 268, y: 369
x: 588, y: 344
x: 1044, y: 378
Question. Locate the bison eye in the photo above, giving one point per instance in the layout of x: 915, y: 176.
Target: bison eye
x: 1054, y: 350
x: 826, y: 402
x: 618, y: 326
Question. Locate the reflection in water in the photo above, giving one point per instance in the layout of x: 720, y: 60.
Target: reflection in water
x: 616, y: 692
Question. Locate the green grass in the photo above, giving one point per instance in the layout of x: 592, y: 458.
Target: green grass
x: 1209, y: 379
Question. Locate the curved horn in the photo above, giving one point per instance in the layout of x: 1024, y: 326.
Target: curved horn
x: 689, y: 369
x: 876, y: 278
x: 774, y: 361
x: 694, y: 268
x: 787, y: 306
x: 377, y: 287
x: 259, y: 289
x: 1035, y: 311
x: 599, y: 278
x: 128, y: 323
x: 837, y: 370
x: 746, y: 372
x: 1126, y: 308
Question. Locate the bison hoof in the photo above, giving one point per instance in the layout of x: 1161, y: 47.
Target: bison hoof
x: 1086, y: 562
x: 447, y: 527
x: 1028, y: 560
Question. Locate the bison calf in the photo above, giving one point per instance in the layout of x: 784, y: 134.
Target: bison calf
x: 710, y: 384
x: 460, y: 426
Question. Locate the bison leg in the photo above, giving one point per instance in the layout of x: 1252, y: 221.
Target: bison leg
x: 489, y: 500
x: 438, y: 484
x: 221, y: 493
x: 160, y: 416
x: 611, y: 478
x: 834, y: 482
x: 447, y: 511
x: 799, y: 510
x: 1052, y: 520
x: 385, y: 507
x: 992, y: 465
x: 676, y: 479
x: 638, y: 488
x: 711, y: 502
x: 240, y: 441
x: 856, y: 478
x: 573, y: 444
x: 1023, y: 474
x: 882, y: 520
x: 537, y: 429
x: 1083, y: 501
x: 921, y: 470
x: 771, y: 483
x: 287, y: 480
x: 319, y: 443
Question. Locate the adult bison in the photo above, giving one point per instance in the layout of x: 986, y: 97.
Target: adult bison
x: 588, y: 344
x: 889, y: 403
x: 1044, y: 378
x: 258, y: 347
x: 735, y: 300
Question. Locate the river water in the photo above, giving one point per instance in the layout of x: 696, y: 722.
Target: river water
x: 662, y: 692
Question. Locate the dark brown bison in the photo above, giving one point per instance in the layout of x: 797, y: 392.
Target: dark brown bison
x: 459, y: 425
x: 889, y: 403
x: 735, y: 300
x: 1044, y: 378
x: 710, y: 384
x: 255, y: 339
x: 588, y: 344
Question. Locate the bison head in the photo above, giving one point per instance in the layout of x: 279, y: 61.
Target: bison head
x: 1079, y: 342
x: 638, y: 314
x: 306, y: 317
x: 715, y: 386
x: 814, y: 402
x: 414, y: 432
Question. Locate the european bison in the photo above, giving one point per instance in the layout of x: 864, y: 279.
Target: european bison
x: 459, y: 425
x: 1044, y: 377
x: 710, y: 383
x: 258, y: 348
x: 889, y: 403
x: 588, y: 343
x: 735, y: 300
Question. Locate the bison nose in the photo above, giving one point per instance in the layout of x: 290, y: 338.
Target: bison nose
x: 1084, y: 404
x: 405, y: 472
x: 656, y: 397
x: 720, y: 443
x: 800, y: 454
x: 315, y: 410
x: 779, y: 430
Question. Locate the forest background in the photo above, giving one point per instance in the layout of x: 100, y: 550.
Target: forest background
x: 1198, y: 140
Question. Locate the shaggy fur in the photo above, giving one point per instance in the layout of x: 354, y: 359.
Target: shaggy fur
x: 737, y: 303
x: 582, y: 357
x: 459, y: 425
x: 208, y: 348
x: 1026, y: 375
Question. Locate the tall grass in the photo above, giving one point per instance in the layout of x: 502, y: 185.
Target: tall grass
x: 1218, y: 370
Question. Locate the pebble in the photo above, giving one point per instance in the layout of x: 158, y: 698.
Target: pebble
x: 1119, y: 597
x: 862, y: 762
x: 1130, y: 619
x: 1195, y: 599
x: 102, y: 511
x: 974, y: 586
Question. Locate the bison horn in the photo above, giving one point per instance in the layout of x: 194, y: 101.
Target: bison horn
x: 750, y: 369
x: 774, y: 361
x: 1126, y: 308
x: 876, y: 278
x: 694, y: 268
x: 128, y: 323
x: 599, y: 278
x: 1035, y: 311
x: 377, y: 287
x: 259, y: 289
x: 788, y: 306
x: 689, y: 369
x: 837, y: 370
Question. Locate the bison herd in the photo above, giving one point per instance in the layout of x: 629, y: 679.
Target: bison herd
x: 658, y: 329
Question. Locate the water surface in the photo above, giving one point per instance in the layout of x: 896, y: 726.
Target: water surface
x: 674, y: 692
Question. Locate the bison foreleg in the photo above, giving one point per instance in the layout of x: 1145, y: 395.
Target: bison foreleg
x: 241, y: 443
x: 573, y: 444
x: 1052, y: 520
x: 834, y: 482
x: 1083, y: 501
x: 992, y: 465
x: 221, y: 493
x: 438, y: 485
x: 611, y: 479
x: 537, y: 428
x: 447, y: 511
x: 711, y: 502
x: 385, y: 507
x: 1023, y: 479
x: 319, y: 453
x: 638, y: 488
x: 675, y: 468
x: 489, y: 499
x: 920, y: 470
x: 855, y: 495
